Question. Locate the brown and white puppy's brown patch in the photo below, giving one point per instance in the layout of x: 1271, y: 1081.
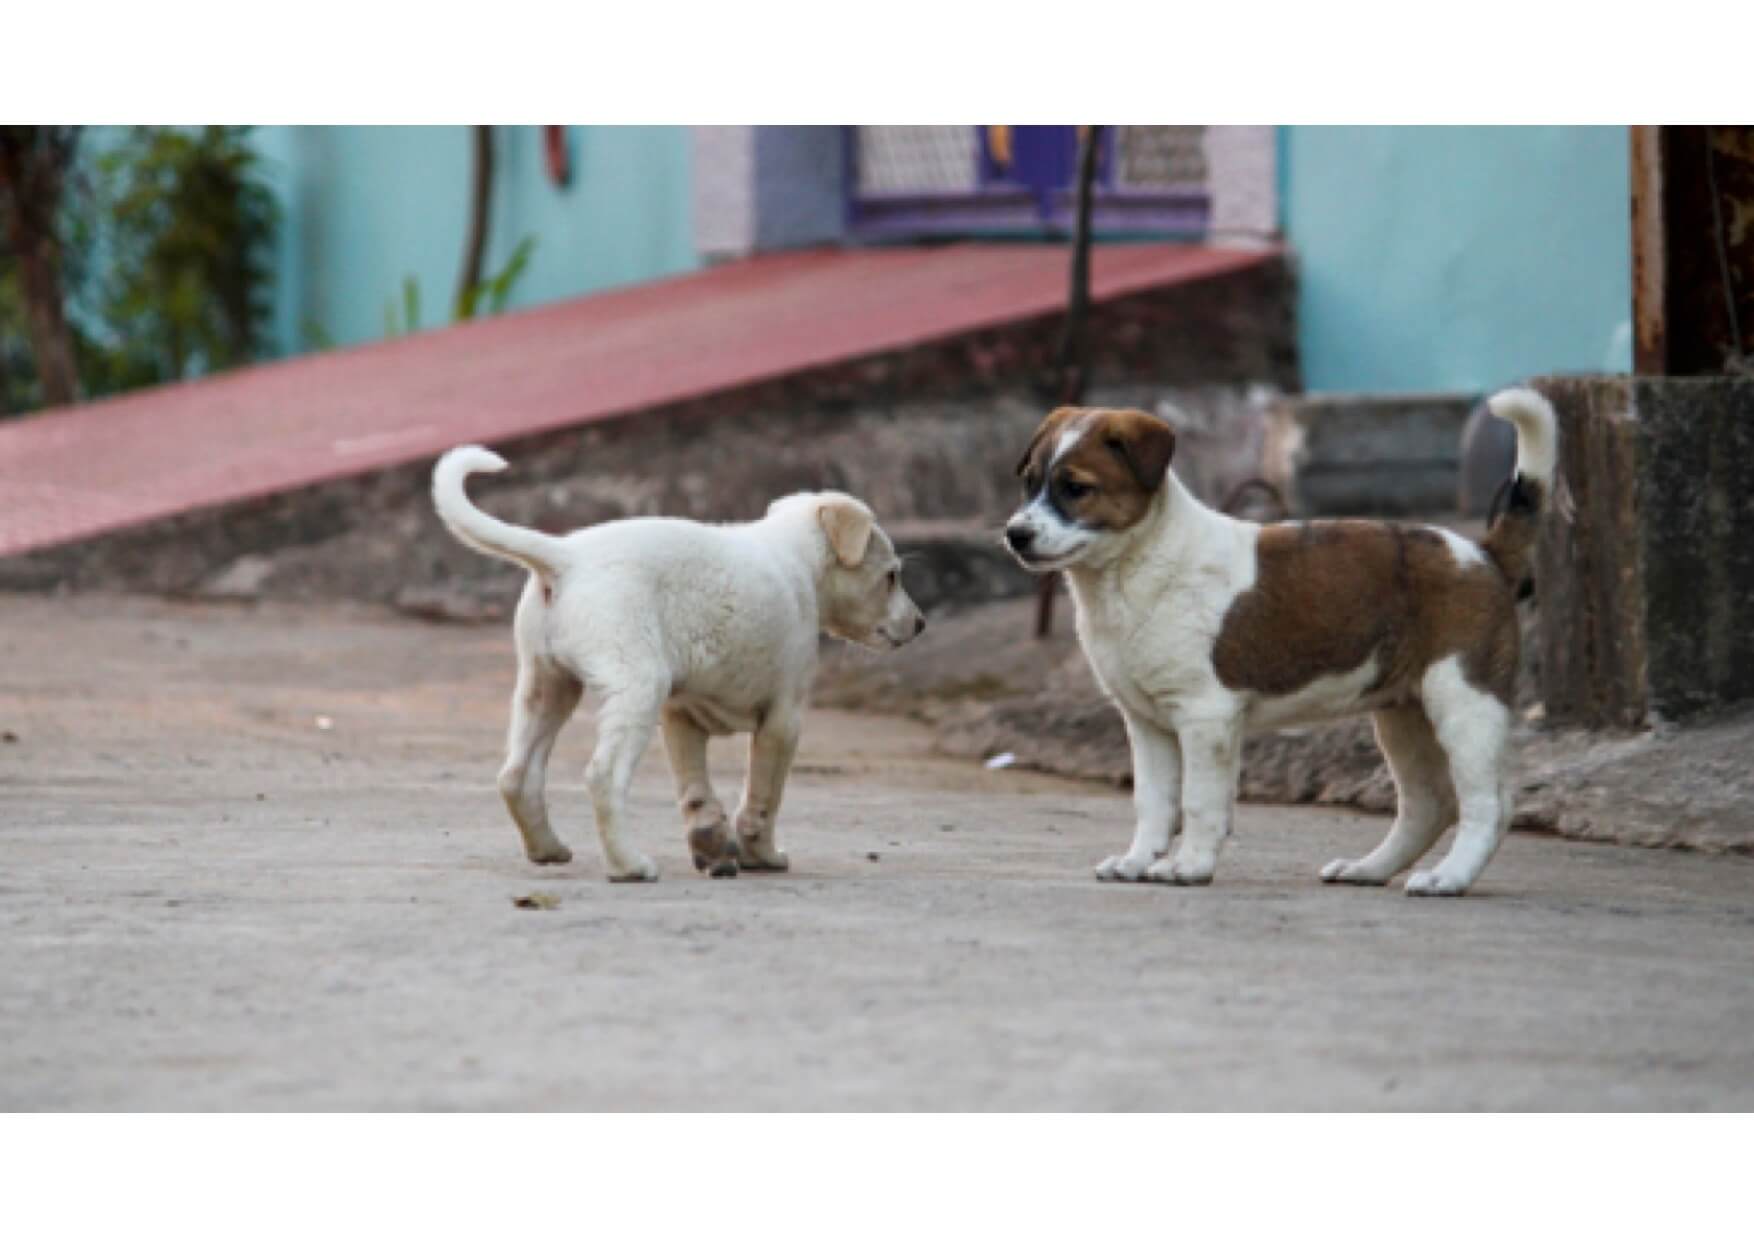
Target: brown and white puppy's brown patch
x: 1202, y: 628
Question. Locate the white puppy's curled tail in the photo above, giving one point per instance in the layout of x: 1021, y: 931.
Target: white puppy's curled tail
x: 1511, y: 538
x: 474, y: 528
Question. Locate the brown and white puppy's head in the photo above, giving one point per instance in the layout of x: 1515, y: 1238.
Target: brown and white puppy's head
x: 1089, y: 476
x: 860, y: 598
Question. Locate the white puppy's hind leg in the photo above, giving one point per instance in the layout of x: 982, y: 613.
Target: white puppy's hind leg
x: 624, y: 729
x: 770, y: 761
x: 544, y: 699
x: 709, y: 829
x: 1426, y: 799
x: 1211, y: 754
x: 1473, y: 727
x: 1157, y: 794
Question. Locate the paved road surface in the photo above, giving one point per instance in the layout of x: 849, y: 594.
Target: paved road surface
x: 207, y: 901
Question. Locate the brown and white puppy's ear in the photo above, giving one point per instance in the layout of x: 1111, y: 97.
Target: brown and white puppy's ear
x: 848, y: 524
x: 1145, y: 443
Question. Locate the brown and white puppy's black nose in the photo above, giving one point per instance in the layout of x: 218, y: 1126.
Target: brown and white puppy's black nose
x: 1019, y: 537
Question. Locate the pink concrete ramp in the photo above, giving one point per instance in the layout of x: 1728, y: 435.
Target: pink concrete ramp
x: 73, y: 473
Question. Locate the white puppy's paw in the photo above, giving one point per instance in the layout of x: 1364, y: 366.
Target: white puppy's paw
x: 1352, y: 872
x: 1183, y: 870
x: 637, y: 869
x: 759, y: 858
x: 1435, y: 882
x: 771, y: 861
x: 1126, y: 868
x: 553, y: 853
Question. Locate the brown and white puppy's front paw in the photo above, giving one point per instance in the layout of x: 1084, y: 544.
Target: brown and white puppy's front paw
x: 1435, y: 882
x: 1183, y: 869
x: 1352, y: 873
x: 1125, y: 868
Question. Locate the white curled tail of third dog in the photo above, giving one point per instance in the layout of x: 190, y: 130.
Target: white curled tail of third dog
x: 1511, y: 539
x: 1537, y: 431
x: 536, y: 551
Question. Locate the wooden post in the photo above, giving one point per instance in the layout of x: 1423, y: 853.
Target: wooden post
x: 1649, y: 253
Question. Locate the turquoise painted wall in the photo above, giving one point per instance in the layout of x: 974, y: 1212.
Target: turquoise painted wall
x: 367, y: 206
x: 1458, y: 259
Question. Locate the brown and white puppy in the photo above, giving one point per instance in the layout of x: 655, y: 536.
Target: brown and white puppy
x: 1203, y: 628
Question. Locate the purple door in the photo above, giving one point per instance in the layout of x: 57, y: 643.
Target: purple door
x: 986, y: 180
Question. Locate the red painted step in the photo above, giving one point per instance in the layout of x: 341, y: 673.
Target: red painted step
x: 72, y: 473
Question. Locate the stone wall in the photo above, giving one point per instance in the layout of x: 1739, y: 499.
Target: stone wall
x: 1368, y: 455
x: 926, y: 434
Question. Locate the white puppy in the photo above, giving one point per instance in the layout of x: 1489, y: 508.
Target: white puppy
x: 706, y: 629
x: 1201, y: 627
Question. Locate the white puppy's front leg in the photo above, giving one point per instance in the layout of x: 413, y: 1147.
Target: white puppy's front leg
x: 770, y: 760
x: 1211, y: 755
x: 1157, y: 794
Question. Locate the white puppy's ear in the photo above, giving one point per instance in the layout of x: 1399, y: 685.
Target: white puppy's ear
x: 848, y: 525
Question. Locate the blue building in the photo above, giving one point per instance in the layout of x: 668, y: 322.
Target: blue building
x: 1429, y: 259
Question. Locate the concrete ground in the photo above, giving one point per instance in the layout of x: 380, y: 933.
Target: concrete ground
x: 210, y: 900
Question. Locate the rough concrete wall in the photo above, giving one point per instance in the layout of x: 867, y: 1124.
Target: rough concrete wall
x: 1696, y: 499
x: 1647, y: 594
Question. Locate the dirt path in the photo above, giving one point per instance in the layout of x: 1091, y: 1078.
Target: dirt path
x: 208, y: 901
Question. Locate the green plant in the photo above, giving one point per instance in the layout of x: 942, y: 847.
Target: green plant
x: 497, y: 288
x: 190, y: 230
x: 494, y: 293
x: 410, y: 319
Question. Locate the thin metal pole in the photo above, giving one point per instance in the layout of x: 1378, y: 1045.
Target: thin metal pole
x: 1073, y: 358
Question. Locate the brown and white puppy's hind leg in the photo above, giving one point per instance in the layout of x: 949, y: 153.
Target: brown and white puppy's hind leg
x: 709, y: 830
x: 1426, y: 799
x: 1157, y: 797
x: 770, y: 761
x: 1211, y: 760
x: 1473, y: 726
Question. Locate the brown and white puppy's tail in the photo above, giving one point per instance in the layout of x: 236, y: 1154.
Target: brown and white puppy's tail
x: 1510, y: 540
x: 539, y: 552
